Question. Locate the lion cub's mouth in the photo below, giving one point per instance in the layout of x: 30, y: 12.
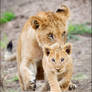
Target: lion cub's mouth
x: 60, y: 71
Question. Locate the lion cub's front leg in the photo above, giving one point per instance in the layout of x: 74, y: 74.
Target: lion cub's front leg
x: 66, y: 83
x: 28, y: 72
x: 53, y: 82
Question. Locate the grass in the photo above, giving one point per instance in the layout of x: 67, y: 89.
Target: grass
x: 3, y: 42
x: 6, y: 17
x: 11, y: 90
x: 80, y: 77
x: 78, y: 29
x: 15, y: 78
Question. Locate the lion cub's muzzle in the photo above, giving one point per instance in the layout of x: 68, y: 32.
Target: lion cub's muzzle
x: 58, y: 69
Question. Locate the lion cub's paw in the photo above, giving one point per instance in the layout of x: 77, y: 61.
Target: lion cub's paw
x: 72, y: 87
x: 31, y: 85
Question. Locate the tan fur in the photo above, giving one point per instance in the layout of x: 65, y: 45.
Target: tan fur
x: 58, y: 73
x: 37, y: 33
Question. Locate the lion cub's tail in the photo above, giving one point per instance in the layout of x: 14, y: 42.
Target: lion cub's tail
x: 9, y: 55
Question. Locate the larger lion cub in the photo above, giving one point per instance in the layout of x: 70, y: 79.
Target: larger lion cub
x: 57, y: 65
x: 45, y: 28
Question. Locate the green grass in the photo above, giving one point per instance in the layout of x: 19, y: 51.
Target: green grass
x: 15, y: 78
x: 6, y: 17
x: 71, y: 36
x: 78, y: 29
x: 11, y: 90
x: 80, y: 77
x: 3, y: 42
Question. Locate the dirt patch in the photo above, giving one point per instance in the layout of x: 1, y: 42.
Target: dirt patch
x: 81, y: 49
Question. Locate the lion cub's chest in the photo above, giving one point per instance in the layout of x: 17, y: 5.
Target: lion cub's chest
x: 60, y: 76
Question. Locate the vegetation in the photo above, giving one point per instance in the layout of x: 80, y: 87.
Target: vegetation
x: 6, y: 17
x: 3, y: 42
x: 15, y: 78
x: 12, y: 90
x: 78, y: 29
x: 80, y: 77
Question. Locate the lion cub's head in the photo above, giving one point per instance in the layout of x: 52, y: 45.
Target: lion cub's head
x: 57, y: 57
x: 50, y: 27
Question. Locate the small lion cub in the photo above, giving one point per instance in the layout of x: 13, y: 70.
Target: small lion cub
x: 57, y: 65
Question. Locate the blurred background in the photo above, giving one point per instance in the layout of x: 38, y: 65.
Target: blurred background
x: 14, y: 14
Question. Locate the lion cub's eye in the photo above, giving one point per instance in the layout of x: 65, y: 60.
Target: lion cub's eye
x: 53, y: 60
x: 51, y: 36
x: 62, y: 59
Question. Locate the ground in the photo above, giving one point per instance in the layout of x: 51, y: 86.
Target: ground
x: 80, y: 13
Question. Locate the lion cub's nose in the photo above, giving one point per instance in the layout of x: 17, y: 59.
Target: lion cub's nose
x: 58, y: 70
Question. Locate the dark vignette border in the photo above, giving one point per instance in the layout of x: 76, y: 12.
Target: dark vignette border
x: 1, y: 80
x: 91, y: 44
x: 1, y: 84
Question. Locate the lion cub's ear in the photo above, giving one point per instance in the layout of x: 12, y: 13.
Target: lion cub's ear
x: 68, y: 48
x: 36, y: 22
x: 46, y: 51
x: 64, y: 10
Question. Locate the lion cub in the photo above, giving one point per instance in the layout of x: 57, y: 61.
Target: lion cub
x: 57, y: 65
x: 42, y: 29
